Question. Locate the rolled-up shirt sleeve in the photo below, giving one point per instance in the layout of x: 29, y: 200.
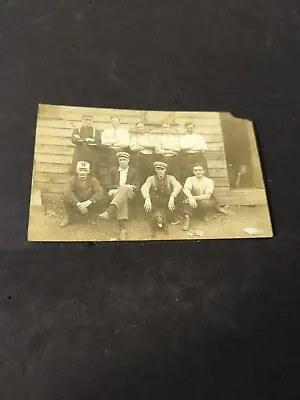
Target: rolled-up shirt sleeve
x: 145, y: 189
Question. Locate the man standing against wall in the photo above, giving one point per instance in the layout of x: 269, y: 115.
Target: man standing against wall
x: 123, y: 183
x: 193, y: 148
x: 168, y: 148
x: 142, y: 145
x: 87, y: 142
x: 116, y: 139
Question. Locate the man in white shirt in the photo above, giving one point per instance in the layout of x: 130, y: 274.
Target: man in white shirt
x: 193, y: 148
x: 116, y: 139
x: 123, y: 183
x: 169, y: 148
x: 199, y: 195
x: 142, y: 145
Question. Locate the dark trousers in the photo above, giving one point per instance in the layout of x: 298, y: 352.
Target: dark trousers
x: 174, y: 166
x: 145, y: 166
x: 161, y: 202
x: 188, y: 160
x: 203, y: 207
x: 87, y: 153
x: 94, y: 209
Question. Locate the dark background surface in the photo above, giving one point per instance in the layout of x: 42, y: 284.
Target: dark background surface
x: 208, y: 320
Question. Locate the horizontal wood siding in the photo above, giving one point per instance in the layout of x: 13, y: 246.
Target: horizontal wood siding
x: 54, y: 150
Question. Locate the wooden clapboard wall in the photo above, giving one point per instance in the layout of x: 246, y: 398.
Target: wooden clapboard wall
x: 54, y: 149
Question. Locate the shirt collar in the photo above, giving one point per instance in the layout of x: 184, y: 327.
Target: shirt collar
x: 125, y: 170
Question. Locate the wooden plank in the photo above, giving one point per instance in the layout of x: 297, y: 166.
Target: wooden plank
x: 217, y: 129
x: 54, y: 140
x: 50, y: 187
x: 50, y: 167
x: 218, y: 173
x: 51, y: 110
x: 199, y: 122
x: 216, y: 164
x: 56, y: 149
x: 215, y: 146
x: 215, y: 155
x: 98, y: 119
x: 248, y: 197
x: 213, y: 138
x: 221, y: 182
x: 53, y: 158
x: 43, y: 177
x: 197, y: 114
x: 128, y: 123
x: 48, y: 197
x: 55, y: 123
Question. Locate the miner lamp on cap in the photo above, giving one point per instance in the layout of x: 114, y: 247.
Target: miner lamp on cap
x: 83, y: 165
x: 123, y: 154
x: 160, y: 165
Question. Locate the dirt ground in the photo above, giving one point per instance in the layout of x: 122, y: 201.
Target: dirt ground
x: 44, y: 226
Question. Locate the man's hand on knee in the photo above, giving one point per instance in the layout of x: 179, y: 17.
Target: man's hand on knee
x: 192, y: 202
x: 112, y: 192
x: 147, y: 204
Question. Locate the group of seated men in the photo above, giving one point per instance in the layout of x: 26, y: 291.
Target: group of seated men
x: 160, y: 190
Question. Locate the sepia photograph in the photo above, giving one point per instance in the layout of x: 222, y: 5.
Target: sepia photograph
x: 114, y: 174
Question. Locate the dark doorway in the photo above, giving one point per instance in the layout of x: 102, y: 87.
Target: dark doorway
x: 244, y: 170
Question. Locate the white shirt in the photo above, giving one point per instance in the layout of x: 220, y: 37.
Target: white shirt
x: 145, y: 142
x: 170, y: 142
x: 123, y: 176
x: 192, y: 142
x: 117, y: 138
x: 198, y: 187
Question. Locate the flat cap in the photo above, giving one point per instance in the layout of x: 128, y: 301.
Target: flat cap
x: 160, y: 164
x: 123, y: 154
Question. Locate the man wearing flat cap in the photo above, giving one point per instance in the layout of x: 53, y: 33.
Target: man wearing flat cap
x: 123, y: 181
x: 88, y: 144
x: 83, y: 194
x: 160, y: 190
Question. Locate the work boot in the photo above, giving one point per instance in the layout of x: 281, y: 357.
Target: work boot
x: 65, y: 222
x: 123, y: 234
x: 186, y: 223
x: 105, y: 215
